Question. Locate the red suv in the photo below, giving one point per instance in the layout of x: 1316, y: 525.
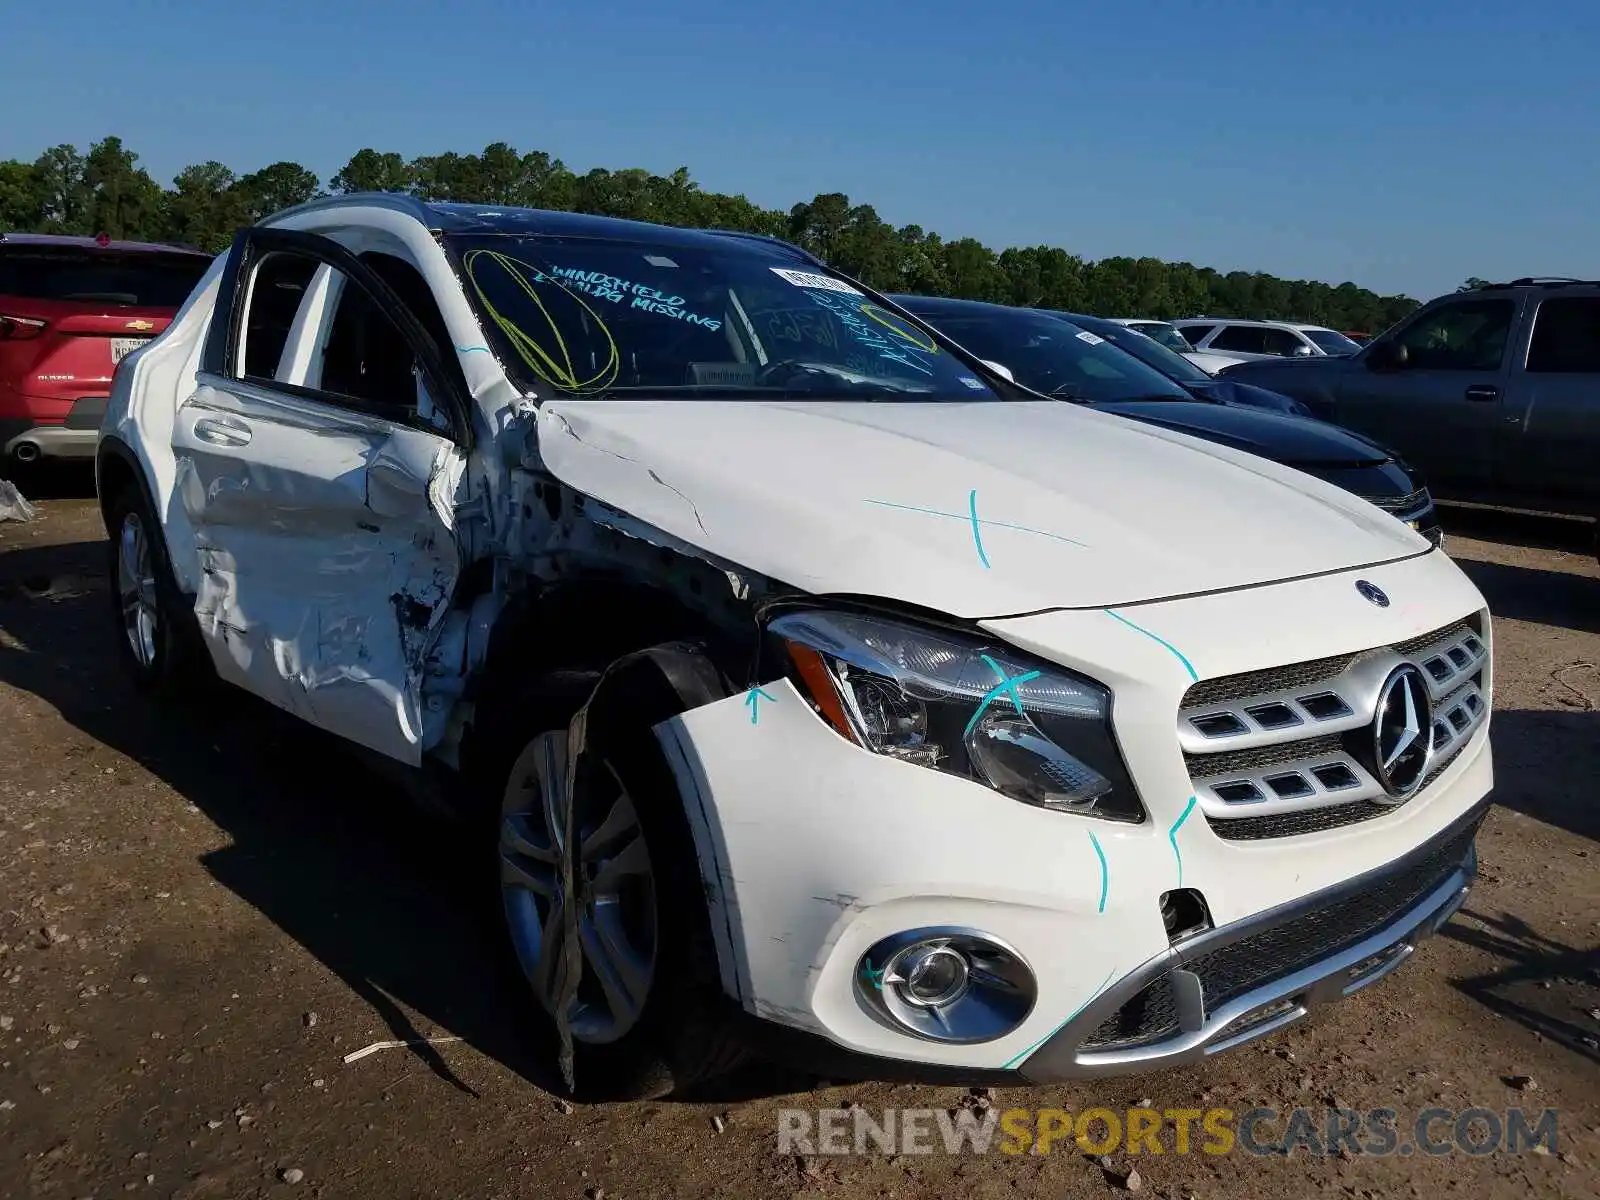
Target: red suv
x: 70, y: 310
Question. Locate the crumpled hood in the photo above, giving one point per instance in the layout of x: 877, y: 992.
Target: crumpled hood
x: 975, y: 510
x: 1298, y: 441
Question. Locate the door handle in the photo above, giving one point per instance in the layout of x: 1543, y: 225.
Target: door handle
x: 1483, y: 391
x: 222, y: 431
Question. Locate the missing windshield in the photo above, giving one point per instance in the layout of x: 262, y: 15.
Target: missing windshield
x: 596, y: 317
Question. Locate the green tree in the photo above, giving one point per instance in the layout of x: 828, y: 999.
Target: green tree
x: 122, y: 200
x: 373, y: 171
x: 21, y: 206
x: 67, y: 192
x: 62, y: 190
x: 205, y: 208
x: 277, y: 187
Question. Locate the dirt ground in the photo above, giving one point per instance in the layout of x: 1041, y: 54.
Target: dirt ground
x: 201, y: 915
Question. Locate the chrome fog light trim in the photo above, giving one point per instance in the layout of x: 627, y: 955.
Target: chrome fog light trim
x: 946, y: 985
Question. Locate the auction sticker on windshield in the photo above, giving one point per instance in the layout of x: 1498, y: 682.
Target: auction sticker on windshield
x: 1093, y: 339
x: 806, y: 279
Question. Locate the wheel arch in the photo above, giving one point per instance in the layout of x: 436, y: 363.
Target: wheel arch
x: 620, y: 626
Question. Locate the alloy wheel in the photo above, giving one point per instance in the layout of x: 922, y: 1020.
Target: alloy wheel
x: 614, y: 883
x: 136, y: 587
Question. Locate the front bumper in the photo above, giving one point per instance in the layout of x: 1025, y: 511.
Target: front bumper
x: 1158, y: 1016
x: 813, y: 850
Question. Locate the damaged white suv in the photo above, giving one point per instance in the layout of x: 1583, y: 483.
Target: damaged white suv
x: 825, y: 691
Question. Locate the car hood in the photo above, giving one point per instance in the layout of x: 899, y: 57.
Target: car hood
x: 1297, y: 441
x: 1209, y: 360
x: 975, y: 510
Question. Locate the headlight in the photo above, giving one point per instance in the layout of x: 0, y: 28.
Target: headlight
x: 1028, y: 729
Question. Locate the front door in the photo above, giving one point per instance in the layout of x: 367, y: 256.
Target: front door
x: 320, y: 477
x: 1441, y: 409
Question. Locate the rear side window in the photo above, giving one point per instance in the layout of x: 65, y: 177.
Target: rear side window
x: 1246, y: 339
x: 279, y: 286
x: 1566, y: 336
x: 136, y: 279
x: 1195, y: 334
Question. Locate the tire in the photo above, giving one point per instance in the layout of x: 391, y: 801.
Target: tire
x: 159, y: 643
x: 681, y: 1036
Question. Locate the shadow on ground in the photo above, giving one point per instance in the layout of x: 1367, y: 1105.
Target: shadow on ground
x: 387, y: 897
x: 1527, y: 746
x: 1546, y: 986
x: 1574, y: 535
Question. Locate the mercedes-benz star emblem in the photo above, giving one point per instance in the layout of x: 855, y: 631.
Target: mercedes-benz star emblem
x: 1402, y: 732
x: 1373, y: 592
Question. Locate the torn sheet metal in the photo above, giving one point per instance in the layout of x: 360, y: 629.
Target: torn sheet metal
x: 695, y: 682
x: 972, y: 509
x: 328, y: 559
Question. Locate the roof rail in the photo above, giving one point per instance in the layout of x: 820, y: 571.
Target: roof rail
x: 1541, y: 281
x: 400, y: 201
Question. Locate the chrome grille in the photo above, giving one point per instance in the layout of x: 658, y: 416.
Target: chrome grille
x: 1283, y: 751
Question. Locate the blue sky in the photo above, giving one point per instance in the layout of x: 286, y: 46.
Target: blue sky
x: 1402, y: 144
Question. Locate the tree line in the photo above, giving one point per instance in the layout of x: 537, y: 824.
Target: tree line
x: 106, y: 191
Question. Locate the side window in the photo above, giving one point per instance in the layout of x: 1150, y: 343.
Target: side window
x: 1566, y: 336
x: 1195, y: 334
x: 279, y: 286
x: 365, y: 356
x: 1464, y: 335
x: 1281, y: 341
x: 1247, y: 339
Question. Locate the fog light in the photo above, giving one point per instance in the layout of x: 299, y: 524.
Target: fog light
x: 946, y: 985
x: 934, y: 975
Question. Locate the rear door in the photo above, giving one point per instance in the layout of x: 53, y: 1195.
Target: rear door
x: 1441, y: 411
x: 318, y: 460
x: 1550, y: 432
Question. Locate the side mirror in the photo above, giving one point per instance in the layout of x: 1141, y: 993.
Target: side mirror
x: 999, y: 369
x: 1387, y: 356
x: 1301, y: 351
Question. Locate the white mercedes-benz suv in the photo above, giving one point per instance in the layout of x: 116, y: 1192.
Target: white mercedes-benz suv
x: 819, y: 689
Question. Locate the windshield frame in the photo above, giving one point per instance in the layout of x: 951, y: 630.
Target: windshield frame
x: 772, y: 254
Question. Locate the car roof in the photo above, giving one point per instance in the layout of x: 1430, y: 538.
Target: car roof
x: 1297, y: 326
x: 452, y: 217
x: 89, y: 243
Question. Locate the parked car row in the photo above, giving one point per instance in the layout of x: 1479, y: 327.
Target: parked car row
x: 1119, y: 370
x: 816, y: 687
x: 1494, y: 393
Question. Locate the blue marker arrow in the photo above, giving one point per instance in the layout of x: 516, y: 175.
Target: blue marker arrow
x: 752, y: 701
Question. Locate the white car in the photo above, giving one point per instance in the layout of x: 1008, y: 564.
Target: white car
x: 1167, y: 334
x: 1243, y: 340
x: 821, y: 691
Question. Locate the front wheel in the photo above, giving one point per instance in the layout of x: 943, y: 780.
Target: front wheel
x: 647, y: 1016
